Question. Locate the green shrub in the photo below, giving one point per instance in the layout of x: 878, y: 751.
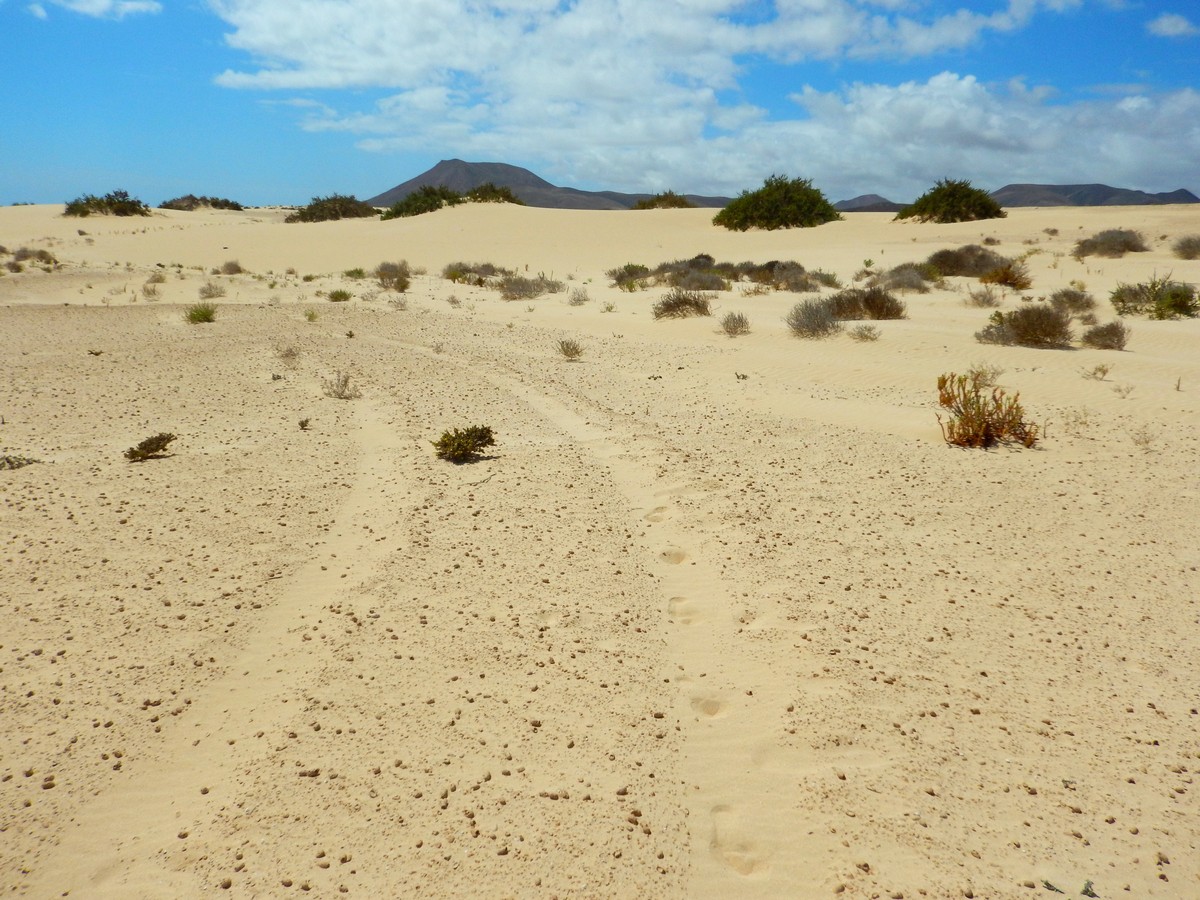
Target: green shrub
x: 679, y: 303
x: 779, y: 203
x: 394, y: 276
x: 1113, y: 243
x: 1073, y: 301
x: 735, y: 323
x: 332, y: 208
x: 952, y: 201
x: 427, y: 199
x: 356, y: 274
x: 1187, y: 247
x: 464, y: 445
x: 665, y: 200
x: 813, y: 319
x: 980, y: 419
x: 490, y: 193
x: 190, y: 203
x: 1033, y: 325
x: 910, y: 276
x: 866, y: 303
x: 116, y: 203
x: 1159, y: 298
x: 153, y: 447
x: 970, y: 260
x: 339, y: 295
x: 1012, y: 274
x: 629, y: 277
x: 1109, y: 336
x: 200, y: 313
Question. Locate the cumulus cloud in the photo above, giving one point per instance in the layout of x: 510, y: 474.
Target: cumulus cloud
x: 106, y: 9
x: 1172, y: 25
x: 641, y: 95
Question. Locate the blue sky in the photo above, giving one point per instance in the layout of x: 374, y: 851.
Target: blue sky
x: 277, y: 101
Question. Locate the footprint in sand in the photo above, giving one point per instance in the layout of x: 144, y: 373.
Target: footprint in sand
x: 731, y: 846
x: 656, y: 515
x: 709, y: 707
x: 684, y: 611
x: 673, y: 555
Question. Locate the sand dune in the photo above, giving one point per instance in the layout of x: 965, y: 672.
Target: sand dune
x: 715, y: 618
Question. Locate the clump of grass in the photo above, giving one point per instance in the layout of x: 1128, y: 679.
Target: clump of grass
x: 952, y: 200
x: 1159, y: 298
x: 232, y: 267
x: 1109, y: 336
x: 1034, y: 325
x: 865, y: 333
x: 355, y: 274
x: 338, y: 295
x: 985, y: 297
x: 1187, y: 247
x: 201, y: 313
x: 1097, y: 372
x: 735, y: 324
x: 153, y: 447
x: 288, y: 354
x: 679, y: 303
x: 518, y: 287
x: 210, y: 290
x: 1112, y: 243
x: 310, y: 315
x: 39, y: 255
x: 394, y: 276
x: 579, y: 297
x: 340, y: 387
x: 465, y: 444
x: 570, y: 349
x: 813, y: 319
x: 977, y: 418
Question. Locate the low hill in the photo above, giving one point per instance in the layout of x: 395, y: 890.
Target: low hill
x: 868, y: 203
x: 534, y: 191
x: 1085, y: 195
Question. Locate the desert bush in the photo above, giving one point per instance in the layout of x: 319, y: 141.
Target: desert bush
x: 190, y: 203
x: 570, y: 349
x: 355, y: 274
x: 490, y: 193
x: 970, y: 260
x: 1187, y: 247
x: 1112, y: 243
x: 679, y: 303
x: 665, y: 200
x: 394, y: 276
x: 1012, y: 274
x: 465, y: 444
x: 116, y: 203
x: 985, y: 297
x: 909, y: 276
x: 702, y: 281
x: 150, y: 290
x: 578, y: 297
x: 779, y: 203
x: 981, y: 419
x: 793, y: 277
x: 16, y: 462
x: 866, y: 303
x: 1073, y: 301
x: 985, y: 374
x: 45, y: 257
x: 735, y: 323
x: 427, y: 199
x: 473, y: 273
x: 518, y: 287
x: 210, y: 290
x: 152, y: 447
x: 1159, y: 298
x: 629, y: 277
x: 332, y: 208
x: 310, y: 315
x: 813, y: 319
x: 156, y: 278
x: 952, y: 200
x: 863, y: 333
x: 200, y: 313
x: 1109, y: 336
x: 339, y: 295
x: 1033, y: 325
x: 232, y: 267
x: 13, y: 266
x: 340, y: 387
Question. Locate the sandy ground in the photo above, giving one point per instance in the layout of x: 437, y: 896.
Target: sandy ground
x: 715, y: 618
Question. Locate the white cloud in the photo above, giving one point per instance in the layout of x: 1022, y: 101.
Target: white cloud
x: 646, y: 94
x: 1172, y: 25
x: 107, y: 9
x: 37, y: 10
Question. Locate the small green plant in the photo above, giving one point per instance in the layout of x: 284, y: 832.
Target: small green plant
x: 304, y: 424
x: 465, y: 444
x: 977, y: 418
x: 310, y: 315
x: 865, y: 333
x: 1187, y: 247
x: 735, y: 323
x: 1109, y: 336
x: 813, y: 319
x: 338, y: 295
x: 1113, y: 243
x: 570, y: 349
x: 665, y: 200
x: 201, y: 313
x: 629, y: 277
x: 952, y: 200
x: 355, y: 274
x: 340, y: 387
x: 332, y: 208
x: 153, y: 447
x: 679, y: 303
x: 780, y: 203
x: 1159, y: 298
x: 116, y: 203
x: 210, y: 290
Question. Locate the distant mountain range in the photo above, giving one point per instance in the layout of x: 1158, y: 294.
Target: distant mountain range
x: 534, y: 191
x: 463, y: 176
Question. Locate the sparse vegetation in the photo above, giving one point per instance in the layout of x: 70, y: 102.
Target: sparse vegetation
x: 680, y: 303
x: 1073, y: 301
x: 490, y: 193
x: 779, y: 203
x: 341, y: 387
x: 1032, y: 325
x: 518, y: 287
x: 735, y: 324
x: 979, y: 418
x: 210, y: 290
x: 310, y: 315
x: 1187, y: 247
x: 355, y: 274
x: 465, y: 444
x: 578, y: 297
x: 116, y: 203
x: 970, y: 261
x: 1097, y: 372
x: 952, y: 200
x: 426, y: 199
x: 864, y: 333
x: 153, y: 447
x: 201, y: 313
x: 1013, y: 274
x: 338, y: 295
x: 867, y: 303
x: 985, y: 297
x: 630, y: 277
x: 232, y: 267
x: 1159, y: 298
x: 813, y: 319
x: 910, y: 276
x: 1112, y: 243
x: 570, y: 349
x: 332, y: 208
x: 190, y: 203
x: 665, y: 200
x: 394, y: 276
x: 1109, y: 336
x: 17, y: 462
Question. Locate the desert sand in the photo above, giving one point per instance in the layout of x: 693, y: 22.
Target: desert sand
x: 716, y: 617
